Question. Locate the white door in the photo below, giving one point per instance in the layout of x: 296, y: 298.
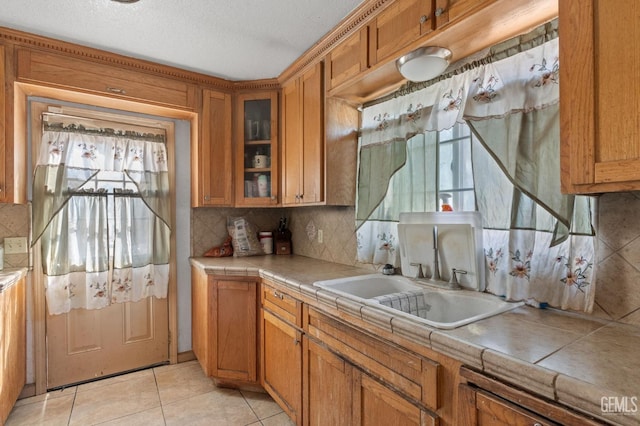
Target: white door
x: 83, y: 344
x: 87, y: 344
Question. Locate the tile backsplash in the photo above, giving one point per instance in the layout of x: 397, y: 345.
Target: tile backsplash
x: 14, y: 222
x: 618, y: 269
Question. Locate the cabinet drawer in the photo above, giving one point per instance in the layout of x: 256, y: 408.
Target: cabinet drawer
x: 281, y: 304
x: 105, y: 79
x: 495, y: 411
x: 412, y: 375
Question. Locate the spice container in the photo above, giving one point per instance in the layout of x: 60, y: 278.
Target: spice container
x: 266, y: 240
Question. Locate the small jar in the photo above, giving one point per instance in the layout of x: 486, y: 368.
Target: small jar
x: 266, y: 240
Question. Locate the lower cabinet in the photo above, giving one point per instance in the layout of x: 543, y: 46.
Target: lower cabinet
x: 356, y: 379
x: 485, y: 409
x: 376, y: 404
x: 328, y: 386
x: 282, y: 364
x: 225, y: 327
x: 13, y: 341
x: 484, y: 401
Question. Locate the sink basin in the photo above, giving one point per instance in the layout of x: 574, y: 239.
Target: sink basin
x: 401, y: 296
x: 368, y: 286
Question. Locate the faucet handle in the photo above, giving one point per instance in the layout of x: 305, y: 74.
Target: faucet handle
x: 420, y: 274
x: 453, y: 282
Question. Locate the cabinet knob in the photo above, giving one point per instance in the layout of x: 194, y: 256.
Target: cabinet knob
x: 296, y: 341
x: 207, y: 198
x: 423, y: 19
x: 439, y: 11
x: 116, y: 90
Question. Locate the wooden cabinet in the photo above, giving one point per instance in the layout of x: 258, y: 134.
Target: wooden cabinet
x: 349, y: 58
x: 5, y: 173
x: 211, y: 159
x: 13, y: 156
x: 389, y: 385
x: 484, y: 401
x: 282, y: 350
x: 257, y: 149
x: 303, y: 139
x: 600, y: 102
x: 94, y: 77
x: 328, y: 386
x: 402, y: 23
x: 13, y: 345
x: 450, y: 11
x: 485, y: 409
x: 200, y: 318
x: 224, y: 327
x: 377, y: 405
x: 234, y: 337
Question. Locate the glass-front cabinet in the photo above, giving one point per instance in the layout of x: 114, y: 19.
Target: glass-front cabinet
x: 257, y: 149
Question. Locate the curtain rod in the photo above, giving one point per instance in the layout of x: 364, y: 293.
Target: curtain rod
x: 98, y: 123
x: 55, y: 121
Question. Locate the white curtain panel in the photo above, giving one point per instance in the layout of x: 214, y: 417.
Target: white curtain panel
x: 100, y: 245
x: 539, y: 244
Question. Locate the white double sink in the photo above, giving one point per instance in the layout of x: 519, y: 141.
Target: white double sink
x: 445, y: 309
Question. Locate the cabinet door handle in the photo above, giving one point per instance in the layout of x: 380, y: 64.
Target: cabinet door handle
x: 296, y: 341
x: 207, y: 198
x: 278, y: 295
x: 423, y: 19
x: 116, y: 90
x: 439, y: 11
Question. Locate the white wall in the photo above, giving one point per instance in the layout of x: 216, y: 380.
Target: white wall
x: 183, y: 232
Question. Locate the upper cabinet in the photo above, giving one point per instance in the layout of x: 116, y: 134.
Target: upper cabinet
x: 303, y: 139
x: 13, y: 156
x: 349, y: 58
x: 211, y: 159
x: 3, y: 136
x: 599, y: 92
x: 257, y: 149
x: 449, y: 11
x: 397, y: 26
x: 94, y: 77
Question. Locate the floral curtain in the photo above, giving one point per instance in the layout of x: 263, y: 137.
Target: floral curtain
x: 539, y: 243
x: 102, y: 211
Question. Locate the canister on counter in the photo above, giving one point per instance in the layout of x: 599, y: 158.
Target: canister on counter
x: 266, y: 240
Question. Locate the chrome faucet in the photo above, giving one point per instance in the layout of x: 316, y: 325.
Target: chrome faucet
x: 436, y: 267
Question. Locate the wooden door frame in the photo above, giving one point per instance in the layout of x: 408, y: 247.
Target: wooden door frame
x: 22, y: 92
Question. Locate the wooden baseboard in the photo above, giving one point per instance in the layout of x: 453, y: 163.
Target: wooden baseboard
x: 186, y: 356
x: 28, y: 391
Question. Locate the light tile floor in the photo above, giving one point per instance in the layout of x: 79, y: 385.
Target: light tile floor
x: 177, y: 394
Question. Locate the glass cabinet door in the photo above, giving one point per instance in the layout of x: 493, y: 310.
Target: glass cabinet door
x: 257, y: 155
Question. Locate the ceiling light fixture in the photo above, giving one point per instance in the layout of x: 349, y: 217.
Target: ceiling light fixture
x: 424, y: 63
x: 126, y: 1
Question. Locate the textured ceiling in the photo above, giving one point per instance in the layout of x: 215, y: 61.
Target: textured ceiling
x: 232, y: 39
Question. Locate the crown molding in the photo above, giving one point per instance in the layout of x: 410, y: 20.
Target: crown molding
x: 352, y: 23
x: 23, y: 39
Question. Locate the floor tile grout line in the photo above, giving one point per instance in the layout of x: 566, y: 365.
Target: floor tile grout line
x: 155, y: 380
x: 250, y: 407
x: 73, y: 403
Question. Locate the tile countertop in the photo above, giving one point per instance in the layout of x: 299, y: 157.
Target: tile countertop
x: 574, y: 359
x: 10, y: 276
